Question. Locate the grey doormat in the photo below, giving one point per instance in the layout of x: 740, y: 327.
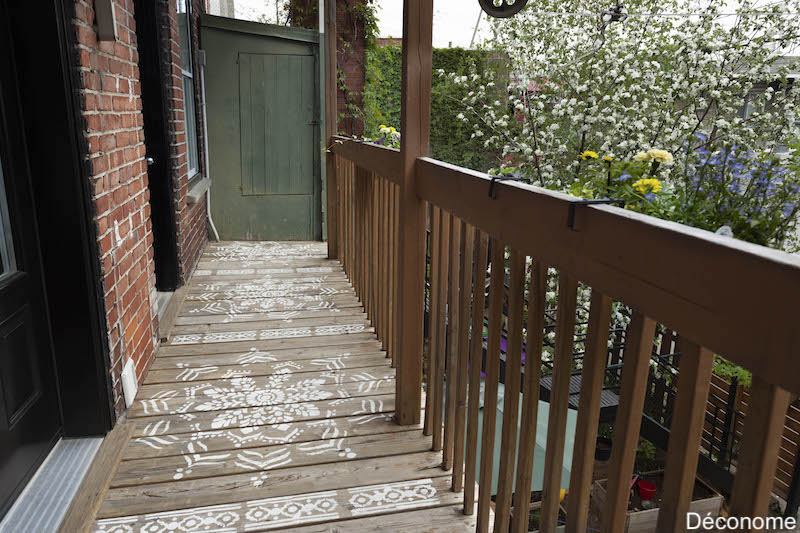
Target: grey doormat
x: 44, y: 502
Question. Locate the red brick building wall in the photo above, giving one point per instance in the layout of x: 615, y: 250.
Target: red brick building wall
x: 112, y: 108
x: 190, y: 219
x: 351, y: 57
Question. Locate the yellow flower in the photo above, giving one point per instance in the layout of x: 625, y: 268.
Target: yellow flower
x: 643, y: 156
x: 647, y: 185
x: 588, y: 154
x: 662, y: 156
x: 392, y: 129
x: 381, y: 126
x: 607, y: 158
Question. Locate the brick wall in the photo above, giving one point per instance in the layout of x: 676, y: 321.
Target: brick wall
x: 190, y: 219
x: 113, y: 125
x: 350, y: 57
x: 352, y: 61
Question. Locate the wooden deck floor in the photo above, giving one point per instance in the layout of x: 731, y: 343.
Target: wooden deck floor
x: 270, y: 407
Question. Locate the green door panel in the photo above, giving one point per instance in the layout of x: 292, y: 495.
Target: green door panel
x: 277, y: 123
x: 262, y: 98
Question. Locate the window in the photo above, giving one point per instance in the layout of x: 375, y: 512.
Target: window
x: 7, y: 262
x: 190, y: 118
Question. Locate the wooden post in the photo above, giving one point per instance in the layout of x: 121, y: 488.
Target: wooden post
x: 415, y: 128
x: 332, y: 204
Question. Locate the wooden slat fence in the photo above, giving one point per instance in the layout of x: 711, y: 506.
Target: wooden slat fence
x: 658, y: 269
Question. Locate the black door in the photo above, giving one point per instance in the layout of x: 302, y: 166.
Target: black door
x: 30, y: 421
x: 155, y: 113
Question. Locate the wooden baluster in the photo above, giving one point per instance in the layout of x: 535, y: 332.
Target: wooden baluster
x: 592, y: 377
x: 475, y: 361
x: 636, y: 364
x: 349, y: 221
x: 367, y: 250
x: 375, y: 274
x: 441, y: 328
x: 559, y: 401
x: 380, y: 277
x: 513, y: 383
x: 496, y: 296
x: 364, y: 248
x: 452, y: 343
x: 385, y: 266
x: 537, y: 291
x: 342, y: 211
x: 759, y: 445
x: 357, y: 228
x: 433, y: 322
x: 467, y: 253
x: 362, y: 239
x: 396, y: 266
x: 685, y: 435
x: 370, y: 227
x: 351, y: 213
x: 392, y: 272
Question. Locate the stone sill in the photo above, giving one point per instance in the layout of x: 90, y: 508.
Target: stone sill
x: 198, y: 190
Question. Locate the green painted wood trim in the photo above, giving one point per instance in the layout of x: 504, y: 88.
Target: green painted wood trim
x: 257, y: 28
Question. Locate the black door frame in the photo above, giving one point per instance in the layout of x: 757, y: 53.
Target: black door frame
x: 155, y: 74
x: 46, y: 58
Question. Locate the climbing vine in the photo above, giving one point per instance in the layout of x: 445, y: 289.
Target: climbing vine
x: 451, y: 137
x: 360, y: 27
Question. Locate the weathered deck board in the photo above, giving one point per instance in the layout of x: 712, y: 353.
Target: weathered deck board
x: 311, y: 508
x: 267, y: 458
x: 249, y: 358
x: 282, y: 316
x: 262, y: 435
x: 227, y: 399
x: 157, y: 426
x: 291, y: 322
x: 186, y: 374
x: 245, y: 346
x: 283, y: 378
x: 271, y: 406
x: 283, y: 303
x: 450, y: 519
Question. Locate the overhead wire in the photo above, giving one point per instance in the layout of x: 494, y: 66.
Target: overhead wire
x: 685, y: 15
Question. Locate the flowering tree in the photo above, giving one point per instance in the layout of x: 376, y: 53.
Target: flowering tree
x: 590, y: 99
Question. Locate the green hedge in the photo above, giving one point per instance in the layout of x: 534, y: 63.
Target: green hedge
x: 450, y: 137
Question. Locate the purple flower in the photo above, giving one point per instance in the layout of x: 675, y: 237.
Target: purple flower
x: 624, y: 176
x: 789, y: 208
x: 650, y: 197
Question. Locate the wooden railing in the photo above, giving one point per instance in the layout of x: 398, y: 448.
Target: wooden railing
x: 367, y: 232
x: 720, y: 295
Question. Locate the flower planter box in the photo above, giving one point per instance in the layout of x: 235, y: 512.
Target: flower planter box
x: 705, y: 501
x: 533, y: 521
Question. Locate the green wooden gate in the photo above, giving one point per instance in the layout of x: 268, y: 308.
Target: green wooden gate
x: 262, y: 97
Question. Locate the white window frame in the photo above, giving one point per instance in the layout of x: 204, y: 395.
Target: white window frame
x: 187, y: 78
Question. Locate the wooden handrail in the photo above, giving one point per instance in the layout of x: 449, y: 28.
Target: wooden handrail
x: 735, y: 298
x: 381, y: 160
